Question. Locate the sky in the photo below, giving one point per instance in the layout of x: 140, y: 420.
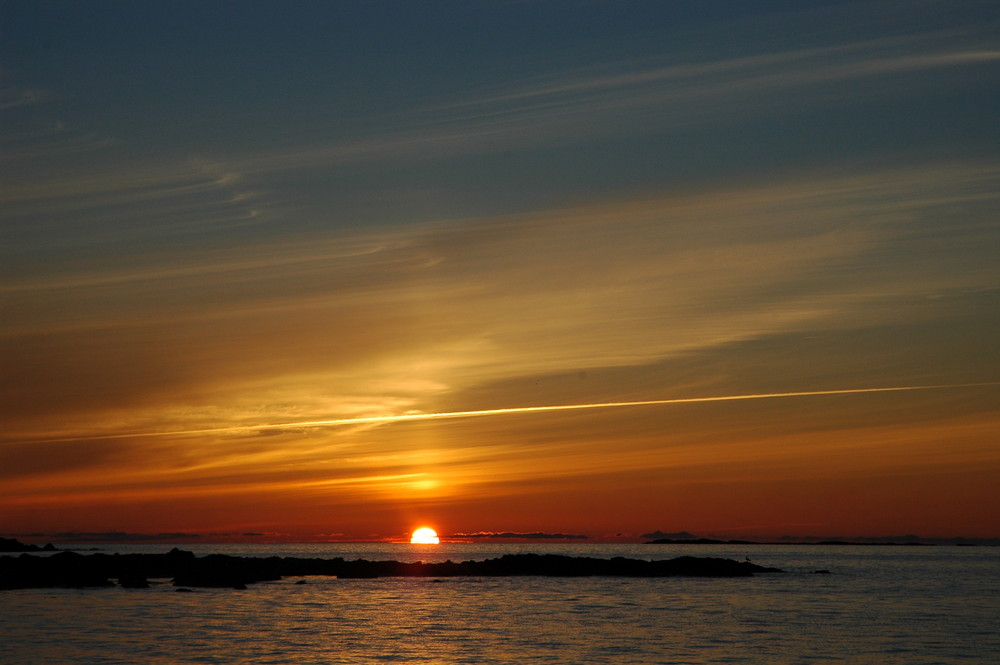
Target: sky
x: 305, y: 270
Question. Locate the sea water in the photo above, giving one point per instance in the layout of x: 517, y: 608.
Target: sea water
x: 879, y: 604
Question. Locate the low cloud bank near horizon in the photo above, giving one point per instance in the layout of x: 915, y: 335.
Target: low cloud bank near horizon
x: 119, y: 536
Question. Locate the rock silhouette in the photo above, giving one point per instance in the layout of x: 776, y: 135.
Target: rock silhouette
x: 14, y: 545
x: 69, y: 569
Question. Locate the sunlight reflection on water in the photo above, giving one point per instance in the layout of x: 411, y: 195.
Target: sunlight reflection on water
x: 880, y: 607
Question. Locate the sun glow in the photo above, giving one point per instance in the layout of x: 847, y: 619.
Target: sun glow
x: 425, y: 536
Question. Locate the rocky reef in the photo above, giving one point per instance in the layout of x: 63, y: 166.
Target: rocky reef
x: 13, y: 545
x: 70, y: 569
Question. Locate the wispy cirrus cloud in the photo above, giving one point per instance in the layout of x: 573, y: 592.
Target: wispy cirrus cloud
x: 635, y: 97
x: 12, y: 98
x: 784, y: 69
x: 48, y: 144
x: 355, y: 324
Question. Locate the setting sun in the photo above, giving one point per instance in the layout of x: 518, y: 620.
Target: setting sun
x: 425, y: 536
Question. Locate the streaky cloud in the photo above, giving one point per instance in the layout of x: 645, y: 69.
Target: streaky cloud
x: 120, y: 536
x: 508, y: 411
x: 16, y: 98
x: 853, y: 62
x: 551, y: 108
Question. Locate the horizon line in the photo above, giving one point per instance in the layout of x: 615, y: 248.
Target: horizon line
x: 139, y: 538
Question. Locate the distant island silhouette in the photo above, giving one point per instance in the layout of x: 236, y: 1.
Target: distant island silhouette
x: 12, y: 545
x: 902, y: 542
x: 71, y: 569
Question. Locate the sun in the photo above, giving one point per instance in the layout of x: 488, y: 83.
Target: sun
x: 425, y: 536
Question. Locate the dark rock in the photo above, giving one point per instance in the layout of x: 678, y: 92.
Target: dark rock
x: 822, y: 572
x: 65, y: 569
x: 221, y: 571
x: 133, y: 582
x: 13, y: 545
x: 552, y: 565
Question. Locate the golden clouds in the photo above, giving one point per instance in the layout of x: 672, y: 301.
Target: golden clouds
x: 394, y: 318
x: 649, y: 296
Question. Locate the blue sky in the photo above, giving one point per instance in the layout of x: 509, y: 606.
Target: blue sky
x: 227, y: 214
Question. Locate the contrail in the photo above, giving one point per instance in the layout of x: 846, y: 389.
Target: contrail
x: 505, y: 411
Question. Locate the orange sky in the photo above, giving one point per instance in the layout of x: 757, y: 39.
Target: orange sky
x: 413, y: 323
x: 738, y: 216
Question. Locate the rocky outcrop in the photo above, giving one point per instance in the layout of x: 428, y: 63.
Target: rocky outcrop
x: 13, y: 545
x: 552, y: 565
x: 133, y: 582
x: 221, y: 571
x: 218, y: 570
x: 65, y: 569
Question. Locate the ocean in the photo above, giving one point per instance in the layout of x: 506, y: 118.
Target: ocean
x: 879, y: 605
